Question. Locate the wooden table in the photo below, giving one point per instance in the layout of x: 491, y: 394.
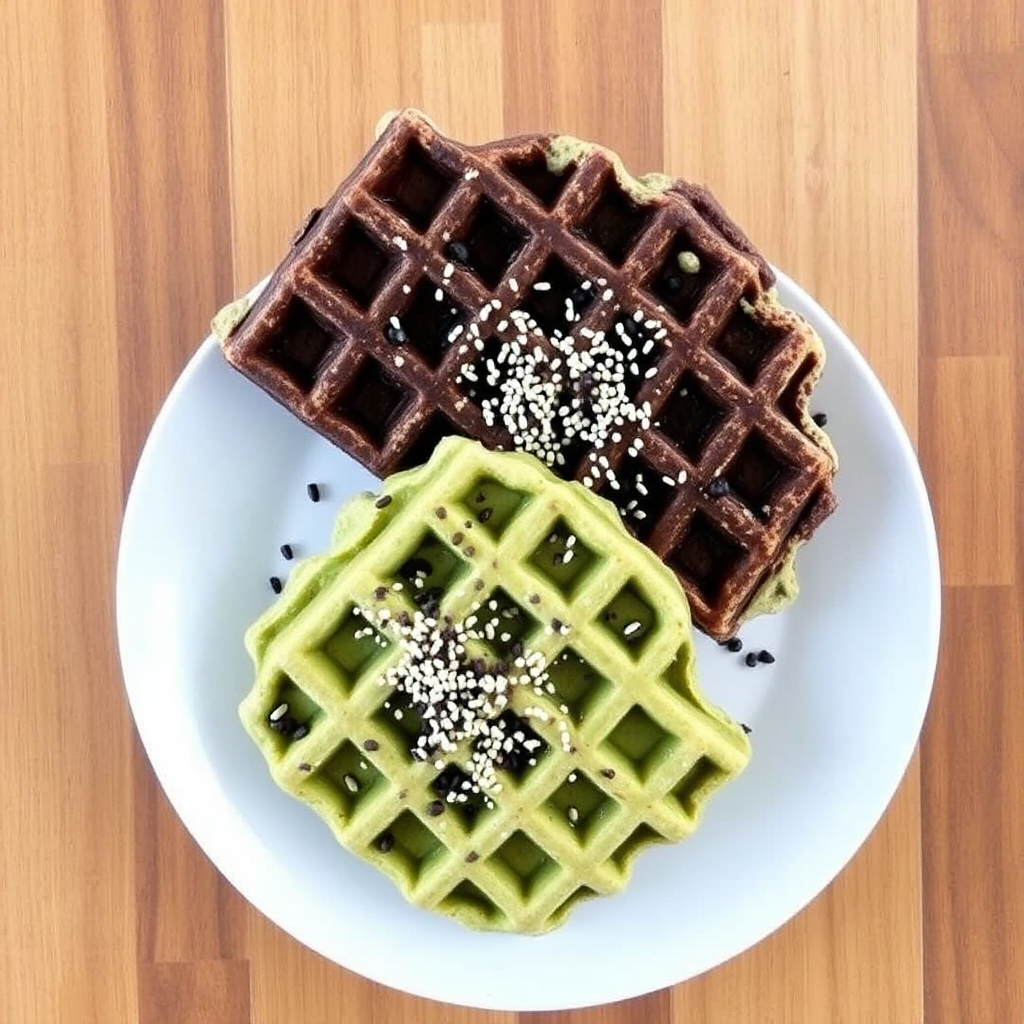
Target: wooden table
x: 155, y: 159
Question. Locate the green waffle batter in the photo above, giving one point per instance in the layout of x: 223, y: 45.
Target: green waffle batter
x: 487, y: 690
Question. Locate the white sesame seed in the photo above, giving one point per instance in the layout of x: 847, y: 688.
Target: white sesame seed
x: 632, y: 627
x: 542, y: 286
x: 279, y: 712
x: 399, y: 361
x: 400, y: 243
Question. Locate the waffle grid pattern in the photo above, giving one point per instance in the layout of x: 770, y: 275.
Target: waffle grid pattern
x: 647, y: 751
x: 734, y: 372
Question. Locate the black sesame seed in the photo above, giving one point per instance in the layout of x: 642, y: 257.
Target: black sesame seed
x: 478, y: 585
x: 556, y: 625
x: 535, y: 599
x: 396, y: 335
x: 470, y: 550
x: 746, y: 728
x: 458, y: 538
x: 429, y: 601
x: 385, y: 842
x: 305, y: 766
x: 480, y: 497
x: 383, y: 501
x: 457, y: 251
x: 750, y: 660
x: 631, y: 327
x: 313, y: 490
x: 608, y: 773
x: 672, y: 284
x: 579, y: 295
x: 371, y: 745
x: 380, y: 593
x: 275, y: 584
x: 472, y: 857
x: 734, y: 644
x: 286, y: 726
x: 485, y: 514
x: 441, y: 512
x: 286, y: 552
x: 300, y: 731
x: 718, y: 487
x: 435, y: 807
x: 766, y: 657
x: 820, y: 419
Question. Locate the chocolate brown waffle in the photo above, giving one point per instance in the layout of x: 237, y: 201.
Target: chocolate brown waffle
x: 531, y: 294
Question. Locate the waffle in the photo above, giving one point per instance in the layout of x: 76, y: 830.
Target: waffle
x: 604, y: 746
x: 385, y: 326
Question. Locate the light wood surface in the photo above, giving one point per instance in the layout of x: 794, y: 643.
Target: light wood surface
x: 156, y: 157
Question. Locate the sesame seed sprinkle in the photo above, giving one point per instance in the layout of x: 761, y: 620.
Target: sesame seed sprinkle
x: 460, y: 697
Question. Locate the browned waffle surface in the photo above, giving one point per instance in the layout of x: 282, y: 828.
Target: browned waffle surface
x: 531, y: 294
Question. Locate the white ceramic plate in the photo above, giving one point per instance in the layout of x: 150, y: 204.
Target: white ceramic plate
x: 222, y: 483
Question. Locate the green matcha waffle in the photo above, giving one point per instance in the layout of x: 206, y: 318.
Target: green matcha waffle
x: 487, y: 690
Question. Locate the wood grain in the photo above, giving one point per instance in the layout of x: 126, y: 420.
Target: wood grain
x: 971, y: 84
x: 157, y: 158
